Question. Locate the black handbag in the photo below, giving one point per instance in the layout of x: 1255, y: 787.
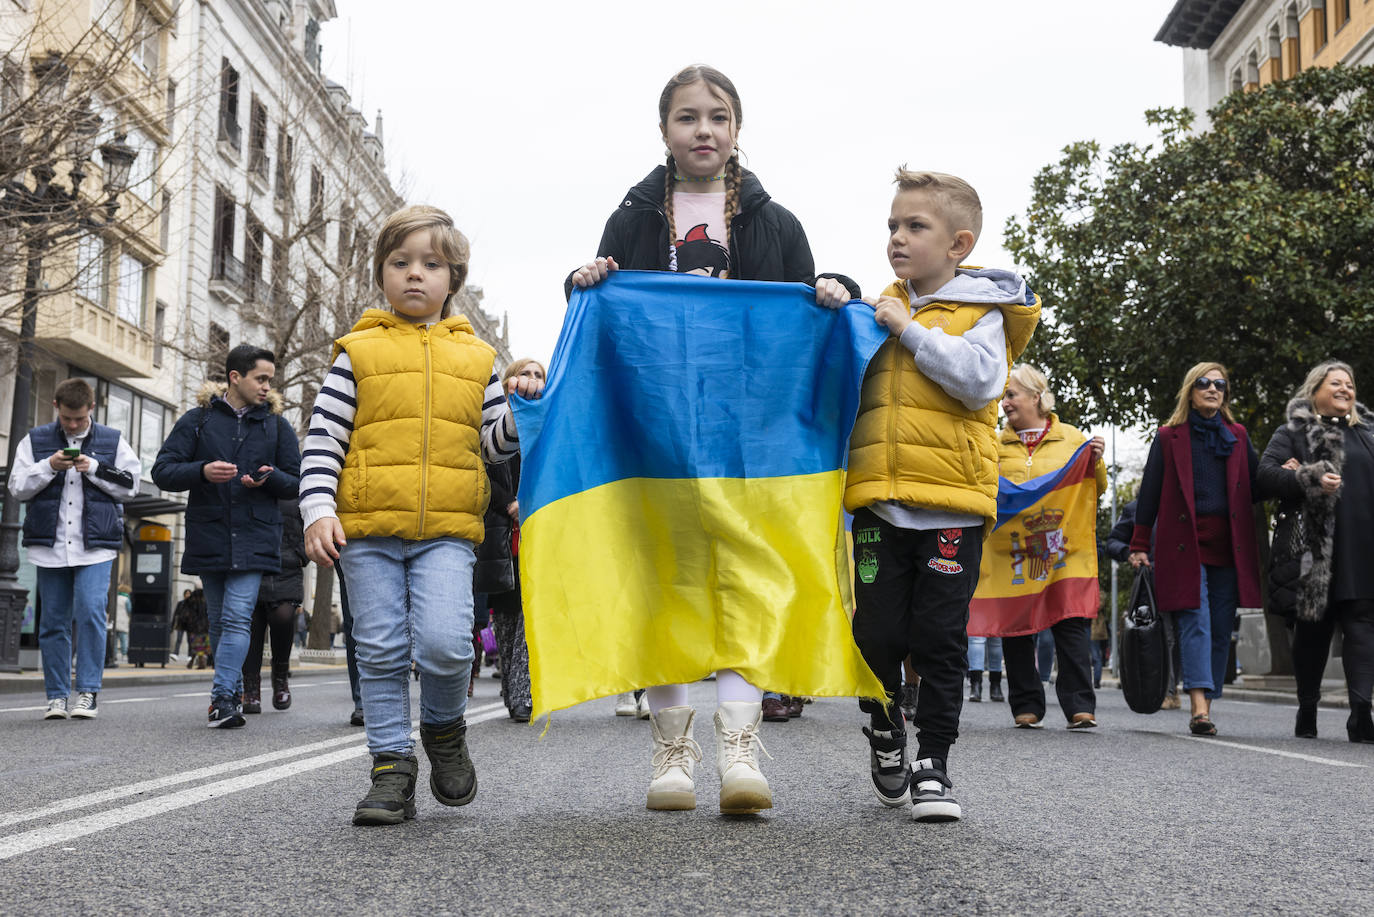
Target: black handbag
x: 1146, y: 665
x: 1285, y: 562
x: 494, y: 572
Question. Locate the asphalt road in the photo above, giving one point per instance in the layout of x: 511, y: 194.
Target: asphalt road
x: 144, y: 810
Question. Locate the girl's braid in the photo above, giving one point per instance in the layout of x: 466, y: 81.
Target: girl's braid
x: 668, y: 212
x: 734, y: 178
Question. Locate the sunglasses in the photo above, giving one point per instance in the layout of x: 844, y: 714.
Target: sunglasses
x: 1204, y: 384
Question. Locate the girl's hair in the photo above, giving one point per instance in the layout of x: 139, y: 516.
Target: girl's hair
x: 1032, y: 380
x: 1318, y: 375
x: 447, y: 240
x: 720, y: 86
x: 1185, y: 394
x: 516, y: 366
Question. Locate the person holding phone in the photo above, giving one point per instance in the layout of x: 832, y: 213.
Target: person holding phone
x: 73, y: 473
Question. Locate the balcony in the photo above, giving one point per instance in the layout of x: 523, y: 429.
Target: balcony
x: 230, y: 137
x: 93, y: 337
x: 226, y: 277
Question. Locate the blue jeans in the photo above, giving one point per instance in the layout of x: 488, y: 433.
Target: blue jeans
x: 73, y: 595
x: 987, y: 649
x: 410, y: 597
x: 1204, y: 634
x: 229, y: 600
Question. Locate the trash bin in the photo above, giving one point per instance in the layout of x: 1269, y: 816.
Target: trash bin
x: 151, y: 594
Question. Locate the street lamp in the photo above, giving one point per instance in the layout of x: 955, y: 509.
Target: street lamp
x: 46, y: 213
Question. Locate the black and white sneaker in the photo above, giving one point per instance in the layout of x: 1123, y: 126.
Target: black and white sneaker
x: 56, y: 709
x: 85, y: 708
x: 887, y: 764
x: 224, y: 714
x: 932, y: 797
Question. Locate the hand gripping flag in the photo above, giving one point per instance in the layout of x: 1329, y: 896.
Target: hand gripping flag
x: 1040, y: 562
x: 681, y: 489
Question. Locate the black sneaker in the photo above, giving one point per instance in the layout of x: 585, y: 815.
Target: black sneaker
x: 391, y: 800
x: 932, y: 797
x: 452, y: 778
x: 86, y: 708
x: 356, y: 719
x: 907, y: 703
x: 887, y: 764
x: 224, y: 714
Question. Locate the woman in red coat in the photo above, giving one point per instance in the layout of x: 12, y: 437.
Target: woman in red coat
x: 1196, y: 495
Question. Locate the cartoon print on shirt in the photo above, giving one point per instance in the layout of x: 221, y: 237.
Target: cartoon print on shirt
x: 698, y: 253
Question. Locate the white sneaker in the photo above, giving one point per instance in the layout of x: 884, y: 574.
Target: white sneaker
x: 932, y: 794
x: 85, y: 708
x: 743, y: 788
x: 625, y: 704
x: 57, y: 709
x: 642, y: 706
x: 675, y: 752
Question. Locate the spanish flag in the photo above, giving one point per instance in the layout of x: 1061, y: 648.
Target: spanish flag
x: 1040, y: 562
x: 681, y: 488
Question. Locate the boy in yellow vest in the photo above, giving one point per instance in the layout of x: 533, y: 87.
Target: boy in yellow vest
x: 922, y: 479
x: 393, y: 488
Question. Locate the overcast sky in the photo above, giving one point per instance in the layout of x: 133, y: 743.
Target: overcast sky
x: 528, y: 121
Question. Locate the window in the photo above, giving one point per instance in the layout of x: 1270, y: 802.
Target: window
x: 142, y: 173
x: 223, y: 265
x: 1319, y: 36
x: 147, y: 50
x: 345, y: 244
x: 171, y: 104
x: 253, y: 242
x: 149, y: 434
x: 281, y: 265
x: 1340, y: 14
x: 218, y: 353
x: 1274, y: 64
x: 286, y: 148
x: 1291, y: 38
x: 90, y: 268
x: 229, y: 104
x: 133, y: 289
x: 1237, y: 84
x: 119, y: 410
x: 159, y: 330
x: 316, y: 218
x: 312, y: 44
x: 257, y: 139
x: 107, y: 14
x: 165, y: 229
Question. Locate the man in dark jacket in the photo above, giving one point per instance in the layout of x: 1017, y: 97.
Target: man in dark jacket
x: 236, y: 456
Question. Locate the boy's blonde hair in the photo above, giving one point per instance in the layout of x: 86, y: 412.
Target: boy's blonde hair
x: 451, y: 244
x: 958, y: 202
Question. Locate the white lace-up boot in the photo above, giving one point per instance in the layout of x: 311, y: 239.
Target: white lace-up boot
x: 675, y: 752
x: 743, y: 788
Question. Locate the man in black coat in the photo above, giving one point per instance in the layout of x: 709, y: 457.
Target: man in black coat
x: 237, y: 456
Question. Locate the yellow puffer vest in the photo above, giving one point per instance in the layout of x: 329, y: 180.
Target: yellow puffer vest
x: 414, y: 464
x: 1060, y: 442
x: 914, y: 443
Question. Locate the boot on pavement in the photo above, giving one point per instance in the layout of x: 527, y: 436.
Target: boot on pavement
x: 672, y: 789
x: 743, y: 788
x: 281, y: 692
x: 392, y: 797
x: 975, y: 687
x: 452, y: 778
x: 1359, y: 726
x: 995, y: 687
x: 795, y: 704
x: 252, y: 693
x: 774, y: 708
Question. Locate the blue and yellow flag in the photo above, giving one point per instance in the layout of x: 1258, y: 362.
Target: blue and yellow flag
x: 1040, y: 562
x: 681, y: 489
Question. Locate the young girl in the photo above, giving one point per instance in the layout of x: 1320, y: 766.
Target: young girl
x: 393, y: 489
x: 703, y: 213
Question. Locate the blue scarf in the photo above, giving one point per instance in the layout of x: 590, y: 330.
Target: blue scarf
x: 1216, y: 438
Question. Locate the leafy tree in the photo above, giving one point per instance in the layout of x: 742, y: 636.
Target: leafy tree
x: 1249, y: 243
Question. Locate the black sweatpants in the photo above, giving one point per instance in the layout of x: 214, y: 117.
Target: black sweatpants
x: 911, y: 595
x: 1073, y: 646
x: 1312, y: 645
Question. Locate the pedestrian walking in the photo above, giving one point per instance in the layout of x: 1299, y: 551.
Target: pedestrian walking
x: 279, y: 598
x: 73, y: 474
x: 703, y: 213
x: 124, y: 609
x: 236, y: 455
x: 394, y: 491
x: 985, y: 652
x: 1195, y: 505
x: 302, y: 627
x: 198, y: 631
x: 1033, y: 443
x: 922, y: 477
x: 179, y: 618
x: 1320, y: 463
x: 1119, y: 550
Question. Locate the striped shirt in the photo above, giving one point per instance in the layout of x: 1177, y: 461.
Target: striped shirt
x: 331, y: 427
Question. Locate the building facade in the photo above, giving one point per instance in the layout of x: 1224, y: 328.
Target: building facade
x: 1240, y: 45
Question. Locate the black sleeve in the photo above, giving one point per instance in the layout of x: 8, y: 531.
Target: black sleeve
x: 1256, y: 491
x: 1119, y: 538
x: 1272, y: 479
x: 502, y: 493
x: 1151, y: 486
x: 612, y: 244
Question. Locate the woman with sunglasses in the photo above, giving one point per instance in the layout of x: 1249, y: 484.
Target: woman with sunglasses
x: 1196, y: 495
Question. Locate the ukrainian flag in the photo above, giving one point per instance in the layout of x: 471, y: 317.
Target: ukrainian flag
x: 1040, y: 562
x: 681, y: 488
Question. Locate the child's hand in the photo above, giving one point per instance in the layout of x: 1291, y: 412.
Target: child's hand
x: 831, y: 293
x: 891, y: 313
x: 321, y: 538
x: 594, y: 272
x: 527, y: 386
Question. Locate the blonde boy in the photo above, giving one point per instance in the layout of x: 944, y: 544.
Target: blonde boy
x: 922, y: 479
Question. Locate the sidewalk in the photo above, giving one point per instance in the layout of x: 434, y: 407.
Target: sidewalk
x: 129, y: 675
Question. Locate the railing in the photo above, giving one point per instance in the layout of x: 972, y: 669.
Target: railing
x: 224, y: 266
x: 229, y: 131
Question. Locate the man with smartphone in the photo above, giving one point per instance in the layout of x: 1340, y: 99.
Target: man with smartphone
x: 73, y: 474
x: 237, y: 456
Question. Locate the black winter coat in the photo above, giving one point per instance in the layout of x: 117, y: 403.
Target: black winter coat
x: 230, y: 527
x: 766, y: 241
x: 289, y: 584
x: 494, y: 571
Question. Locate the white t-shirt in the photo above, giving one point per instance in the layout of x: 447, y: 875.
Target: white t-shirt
x: 699, y: 219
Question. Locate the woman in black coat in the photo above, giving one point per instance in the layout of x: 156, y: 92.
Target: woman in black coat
x: 1321, y: 464
x: 279, y: 598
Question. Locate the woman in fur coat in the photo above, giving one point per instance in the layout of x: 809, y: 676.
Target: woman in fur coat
x: 1321, y: 463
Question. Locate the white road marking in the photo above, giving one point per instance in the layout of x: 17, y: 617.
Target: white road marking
x: 142, y: 700
x: 1208, y: 740
x: 479, y: 715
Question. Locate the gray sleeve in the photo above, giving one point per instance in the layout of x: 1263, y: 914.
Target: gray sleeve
x: 971, y: 367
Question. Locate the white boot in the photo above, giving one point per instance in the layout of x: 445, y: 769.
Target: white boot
x: 675, y: 751
x: 743, y: 788
x: 625, y: 704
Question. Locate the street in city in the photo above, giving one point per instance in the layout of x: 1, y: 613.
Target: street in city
x: 144, y: 810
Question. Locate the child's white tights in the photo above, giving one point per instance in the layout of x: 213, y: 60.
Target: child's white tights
x: 730, y: 686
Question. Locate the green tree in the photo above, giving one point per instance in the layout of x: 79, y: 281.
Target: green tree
x: 1249, y: 243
